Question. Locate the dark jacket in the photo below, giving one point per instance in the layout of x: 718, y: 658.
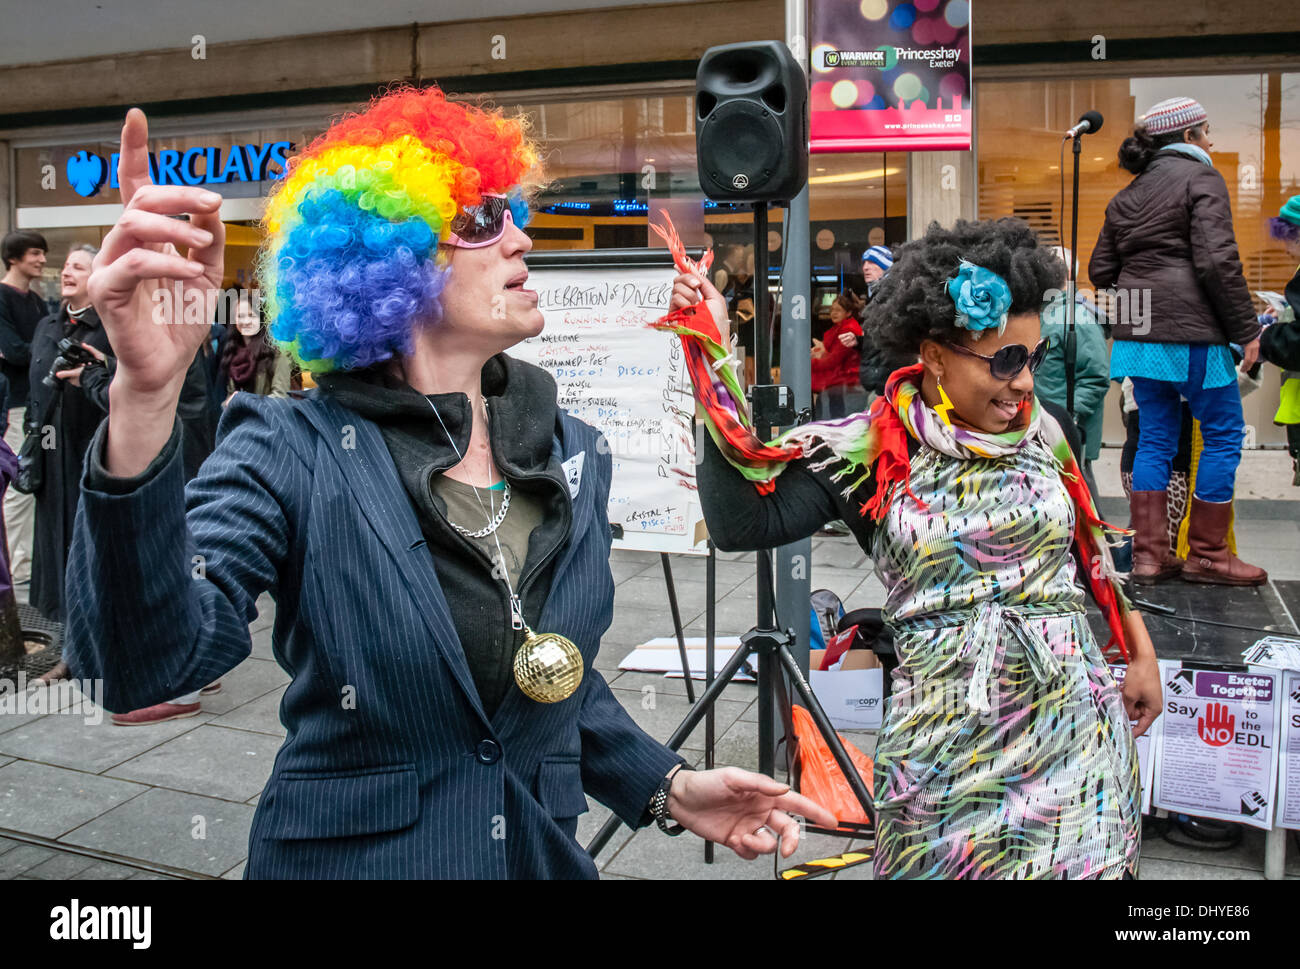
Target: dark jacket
x: 20, y: 313
x: 198, y: 421
x: 1280, y: 343
x: 1169, y: 232
x: 1091, y: 368
x: 523, y: 428
x: 391, y: 768
x: 72, y: 413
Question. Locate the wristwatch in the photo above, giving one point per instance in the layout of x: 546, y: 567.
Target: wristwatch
x: 659, y: 804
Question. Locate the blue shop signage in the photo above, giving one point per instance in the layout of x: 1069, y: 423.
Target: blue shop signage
x: 87, y: 171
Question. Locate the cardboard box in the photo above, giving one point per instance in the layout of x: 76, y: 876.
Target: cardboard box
x: 852, y: 696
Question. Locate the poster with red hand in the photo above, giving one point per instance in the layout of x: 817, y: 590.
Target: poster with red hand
x: 1217, y: 751
x: 1288, y: 809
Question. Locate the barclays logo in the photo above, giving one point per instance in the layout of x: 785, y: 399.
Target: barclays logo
x: 86, y: 173
x: 89, y: 172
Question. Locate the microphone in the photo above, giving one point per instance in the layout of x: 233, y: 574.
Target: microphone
x: 1090, y: 123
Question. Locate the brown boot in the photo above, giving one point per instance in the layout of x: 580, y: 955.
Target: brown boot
x: 1208, y: 558
x: 1152, y: 560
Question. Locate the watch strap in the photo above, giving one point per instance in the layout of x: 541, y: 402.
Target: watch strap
x: 659, y: 805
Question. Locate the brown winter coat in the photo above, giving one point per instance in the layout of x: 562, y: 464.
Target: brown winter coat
x: 1169, y: 231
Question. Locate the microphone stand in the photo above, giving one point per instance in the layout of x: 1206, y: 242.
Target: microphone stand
x: 1071, y: 338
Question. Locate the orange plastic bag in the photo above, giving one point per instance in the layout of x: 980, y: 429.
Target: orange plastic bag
x: 820, y: 778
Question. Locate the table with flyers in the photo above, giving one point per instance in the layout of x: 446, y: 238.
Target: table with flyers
x: 1227, y: 745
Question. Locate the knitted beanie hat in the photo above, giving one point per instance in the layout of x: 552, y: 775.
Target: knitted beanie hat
x: 880, y: 255
x: 1173, y: 114
x: 1291, y: 210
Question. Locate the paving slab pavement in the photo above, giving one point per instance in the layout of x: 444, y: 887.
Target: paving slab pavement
x: 181, y: 795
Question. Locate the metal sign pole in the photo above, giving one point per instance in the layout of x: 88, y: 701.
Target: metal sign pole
x: 793, y: 563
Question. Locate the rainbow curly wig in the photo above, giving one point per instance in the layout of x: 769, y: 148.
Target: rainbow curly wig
x: 351, y: 263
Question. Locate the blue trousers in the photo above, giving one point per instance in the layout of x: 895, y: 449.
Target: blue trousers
x: 1222, y: 427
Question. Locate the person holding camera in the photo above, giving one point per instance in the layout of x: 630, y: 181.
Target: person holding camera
x: 71, y: 367
x: 1006, y: 749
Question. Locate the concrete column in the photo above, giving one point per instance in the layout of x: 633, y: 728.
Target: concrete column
x: 6, y: 188
x: 941, y: 188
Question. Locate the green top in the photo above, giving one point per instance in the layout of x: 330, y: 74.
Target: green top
x: 462, y: 508
x: 1091, y: 369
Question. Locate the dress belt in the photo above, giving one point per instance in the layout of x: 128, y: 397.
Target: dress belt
x: 985, y: 623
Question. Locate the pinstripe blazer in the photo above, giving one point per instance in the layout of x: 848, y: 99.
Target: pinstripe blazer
x: 390, y: 767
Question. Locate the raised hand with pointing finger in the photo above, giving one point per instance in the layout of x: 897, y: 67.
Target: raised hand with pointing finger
x: 141, y: 285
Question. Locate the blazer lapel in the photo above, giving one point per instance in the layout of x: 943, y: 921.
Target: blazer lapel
x: 370, y: 473
x: 582, y: 501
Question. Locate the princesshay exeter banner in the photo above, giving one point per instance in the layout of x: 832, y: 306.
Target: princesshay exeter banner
x: 890, y: 76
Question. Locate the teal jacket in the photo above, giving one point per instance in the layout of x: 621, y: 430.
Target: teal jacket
x: 1091, y: 368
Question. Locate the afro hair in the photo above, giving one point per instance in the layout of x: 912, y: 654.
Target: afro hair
x: 911, y: 302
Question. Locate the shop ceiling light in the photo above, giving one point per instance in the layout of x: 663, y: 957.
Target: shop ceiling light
x: 862, y: 176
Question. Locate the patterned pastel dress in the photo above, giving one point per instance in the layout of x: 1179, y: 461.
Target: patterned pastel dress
x: 1006, y: 751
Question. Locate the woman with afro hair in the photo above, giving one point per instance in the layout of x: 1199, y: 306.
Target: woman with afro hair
x: 1006, y: 750
x: 412, y: 519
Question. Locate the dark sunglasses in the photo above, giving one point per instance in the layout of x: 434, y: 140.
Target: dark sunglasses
x: 1009, y: 360
x: 482, y: 224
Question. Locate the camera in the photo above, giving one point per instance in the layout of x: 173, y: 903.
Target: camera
x: 71, y: 356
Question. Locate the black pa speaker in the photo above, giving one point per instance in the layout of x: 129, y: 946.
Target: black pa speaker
x: 751, y: 123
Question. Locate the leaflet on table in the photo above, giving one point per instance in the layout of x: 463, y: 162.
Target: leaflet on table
x: 1217, y: 749
x: 1278, y: 304
x: 1288, y: 809
x: 1279, y: 652
x: 1145, y: 745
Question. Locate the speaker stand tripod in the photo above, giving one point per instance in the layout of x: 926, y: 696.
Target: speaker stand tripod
x: 764, y: 642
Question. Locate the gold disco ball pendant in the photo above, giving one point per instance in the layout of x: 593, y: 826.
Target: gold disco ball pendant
x: 548, y: 668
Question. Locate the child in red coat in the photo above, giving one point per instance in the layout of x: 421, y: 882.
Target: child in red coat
x: 835, y: 360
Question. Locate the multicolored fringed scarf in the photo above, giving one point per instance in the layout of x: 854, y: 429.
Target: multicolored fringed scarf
x: 874, y: 443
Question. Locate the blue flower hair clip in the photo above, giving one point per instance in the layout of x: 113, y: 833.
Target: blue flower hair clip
x: 982, y: 297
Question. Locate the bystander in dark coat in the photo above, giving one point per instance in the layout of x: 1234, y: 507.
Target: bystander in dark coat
x: 67, y: 415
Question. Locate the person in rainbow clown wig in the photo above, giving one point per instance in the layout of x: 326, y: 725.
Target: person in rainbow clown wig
x: 415, y: 518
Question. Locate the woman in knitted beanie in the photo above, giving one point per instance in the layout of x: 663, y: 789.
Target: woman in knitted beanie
x: 1167, y: 245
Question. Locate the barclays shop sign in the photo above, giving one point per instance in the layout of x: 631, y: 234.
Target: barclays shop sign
x: 88, y: 172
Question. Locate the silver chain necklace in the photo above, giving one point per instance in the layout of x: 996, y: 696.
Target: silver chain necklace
x: 547, y: 668
x: 495, y: 523
x: 516, y: 607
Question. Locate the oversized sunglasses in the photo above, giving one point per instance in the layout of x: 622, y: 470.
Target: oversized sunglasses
x: 482, y: 224
x: 1010, y: 359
